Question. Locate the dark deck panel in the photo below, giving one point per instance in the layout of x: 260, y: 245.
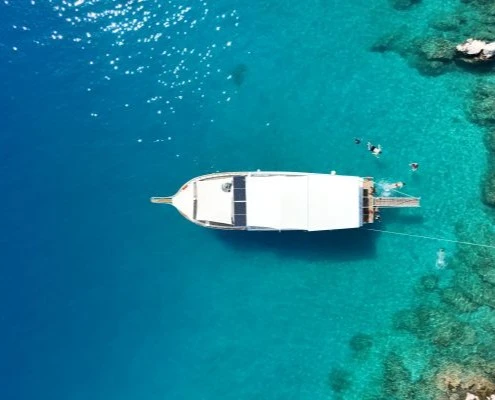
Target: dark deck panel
x: 240, y: 220
x: 239, y: 188
x: 239, y: 194
x: 239, y: 207
x: 240, y: 182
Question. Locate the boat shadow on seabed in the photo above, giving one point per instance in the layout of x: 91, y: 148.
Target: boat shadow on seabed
x: 339, y: 245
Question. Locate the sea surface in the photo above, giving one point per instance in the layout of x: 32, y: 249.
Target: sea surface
x: 104, y: 295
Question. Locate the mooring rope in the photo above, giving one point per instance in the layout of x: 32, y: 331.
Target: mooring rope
x: 404, y: 194
x: 432, y: 238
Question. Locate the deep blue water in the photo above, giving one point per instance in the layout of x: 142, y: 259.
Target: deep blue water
x: 104, y: 295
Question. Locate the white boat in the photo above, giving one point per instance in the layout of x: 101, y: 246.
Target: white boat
x: 279, y: 201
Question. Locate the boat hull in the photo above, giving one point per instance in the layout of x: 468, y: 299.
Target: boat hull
x: 272, y: 201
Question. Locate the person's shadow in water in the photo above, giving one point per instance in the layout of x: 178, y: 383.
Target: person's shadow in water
x: 341, y: 245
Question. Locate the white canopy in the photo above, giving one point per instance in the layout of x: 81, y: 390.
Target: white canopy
x: 214, y: 204
x: 309, y: 202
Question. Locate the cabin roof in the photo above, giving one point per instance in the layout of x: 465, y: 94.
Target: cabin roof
x: 309, y: 202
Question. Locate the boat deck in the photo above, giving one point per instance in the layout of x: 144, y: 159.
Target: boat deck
x: 371, y: 204
x: 281, y: 201
x: 396, y: 202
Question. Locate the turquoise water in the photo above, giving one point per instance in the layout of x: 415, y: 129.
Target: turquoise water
x: 105, y: 295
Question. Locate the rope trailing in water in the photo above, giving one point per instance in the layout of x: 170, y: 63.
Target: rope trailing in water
x: 433, y: 238
x: 404, y: 194
x: 429, y: 237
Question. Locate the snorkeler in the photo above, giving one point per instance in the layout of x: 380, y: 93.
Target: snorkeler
x: 375, y: 150
x: 396, y: 185
x: 414, y: 166
x: 357, y: 140
x: 441, y: 263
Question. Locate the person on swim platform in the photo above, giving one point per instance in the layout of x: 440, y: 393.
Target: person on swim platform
x: 375, y: 150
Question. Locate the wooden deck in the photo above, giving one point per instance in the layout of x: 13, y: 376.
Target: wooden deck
x: 368, y: 200
x: 372, y: 204
x: 384, y: 202
x: 161, y: 200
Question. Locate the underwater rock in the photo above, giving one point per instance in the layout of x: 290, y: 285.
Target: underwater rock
x: 429, y: 283
x: 458, y: 300
x: 474, y: 51
x: 405, y: 320
x: 488, y: 187
x: 339, y: 380
x: 239, y: 74
x: 432, y: 68
x: 461, y: 380
x: 448, y: 23
x: 484, y: 268
x: 480, y: 365
x: 361, y: 344
x: 434, y: 324
x: 437, y: 49
x: 471, y: 47
x: 488, y: 193
x: 481, y: 109
x: 403, y: 4
x: 449, y: 378
x: 490, y: 140
x: 433, y: 56
x: 397, y: 382
x: 388, y: 42
x: 450, y: 334
x: 471, y: 287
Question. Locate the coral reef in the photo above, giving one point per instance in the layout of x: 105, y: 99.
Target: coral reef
x: 430, y: 55
x: 397, y: 382
x: 339, y: 380
x: 434, y: 324
x: 454, y: 327
x: 454, y: 379
x: 458, y: 300
x: 488, y: 192
x: 429, y: 283
x: 387, y: 42
x: 433, y: 56
x: 453, y: 323
x: 403, y: 4
x: 481, y: 108
x: 448, y: 23
x: 361, y: 344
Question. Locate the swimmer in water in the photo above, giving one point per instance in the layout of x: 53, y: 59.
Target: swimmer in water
x: 441, y: 263
x: 396, y: 185
x: 414, y: 166
x: 375, y: 150
x: 357, y: 140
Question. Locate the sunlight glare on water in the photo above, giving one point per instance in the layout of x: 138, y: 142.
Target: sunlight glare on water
x: 172, y: 42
